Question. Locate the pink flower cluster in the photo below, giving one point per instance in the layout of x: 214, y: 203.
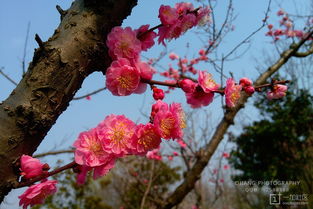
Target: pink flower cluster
x: 117, y: 136
x: 287, y: 28
x: 176, y: 21
x: 126, y: 72
x: 278, y: 91
x: 35, y: 194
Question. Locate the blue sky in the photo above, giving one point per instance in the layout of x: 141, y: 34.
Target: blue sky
x: 81, y: 115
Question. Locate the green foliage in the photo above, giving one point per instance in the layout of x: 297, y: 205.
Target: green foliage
x: 277, y: 147
x: 280, y: 146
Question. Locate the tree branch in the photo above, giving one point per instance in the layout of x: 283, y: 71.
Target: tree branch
x: 56, y: 72
x: 208, y: 150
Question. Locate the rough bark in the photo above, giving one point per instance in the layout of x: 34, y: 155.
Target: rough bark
x: 59, y: 66
x: 204, y: 154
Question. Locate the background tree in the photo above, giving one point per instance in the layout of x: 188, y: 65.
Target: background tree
x: 279, y: 146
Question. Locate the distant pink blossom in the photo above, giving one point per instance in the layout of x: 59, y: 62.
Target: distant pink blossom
x: 31, y: 167
x: 199, y: 98
x: 170, y: 157
x: 122, y: 79
x: 88, y: 97
x: 202, y: 52
x: 89, y: 151
x: 187, y: 85
x: 226, y: 155
x: 207, y: 83
x: 154, y: 154
x: 280, y: 12
x: 115, y: 133
x: 270, y: 26
x: 194, y: 207
x: 181, y: 143
x: 145, y: 139
x: 175, y: 153
x: 36, y: 194
x: 278, y: 91
x: 232, y: 92
x: 145, y: 37
x: 173, y: 56
x: 123, y: 43
x: 226, y: 167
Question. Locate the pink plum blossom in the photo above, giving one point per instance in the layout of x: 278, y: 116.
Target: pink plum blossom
x: 168, y: 15
x: 145, y: 37
x: 154, y: 154
x: 170, y: 122
x: 122, y: 79
x: 31, y: 167
x: 158, y: 94
x: 146, y: 72
x: 245, y: 82
x: 187, y: 85
x: 115, y: 133
x: 207, y: 83
x: 165, y: 124
x: 159, y: 105
x: 181, y: 143
x: 180, y: 118
x: 232, y: 92
x: 173, y: 56
x: 183, y: 7
x: 199, y: 98
x: 123, y: 43
x: 89, y: 151
x: 37, y: 193
x: 145, y: 138
x: 249, y: 90
x: 278, y: 91
x: 98, y: 171
x: 226, y: 155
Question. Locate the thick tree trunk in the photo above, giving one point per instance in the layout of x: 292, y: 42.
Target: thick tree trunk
x: 57, y: 71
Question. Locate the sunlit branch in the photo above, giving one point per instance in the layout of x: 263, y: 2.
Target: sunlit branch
x: 44, y: 176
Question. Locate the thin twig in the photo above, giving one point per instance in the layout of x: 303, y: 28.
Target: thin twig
x: 90, y: 94
x: 25, y: 48
x: 53, y: 153
x: 143, y: 200
x: 7, y: 77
